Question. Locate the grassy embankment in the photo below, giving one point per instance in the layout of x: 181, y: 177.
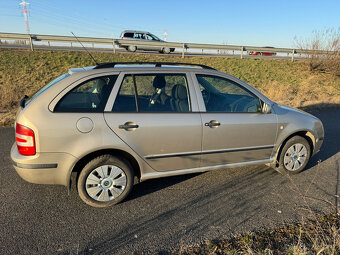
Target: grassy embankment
x: 24, y: 72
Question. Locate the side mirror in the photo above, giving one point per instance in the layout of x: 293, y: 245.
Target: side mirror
x: 266, y: 108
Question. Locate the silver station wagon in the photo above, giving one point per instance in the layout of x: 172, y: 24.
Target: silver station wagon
x: 142, y: 37
x: 116, y: 124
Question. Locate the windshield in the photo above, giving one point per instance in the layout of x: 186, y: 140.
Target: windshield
x: 152, y: 37
x: 46, y: 87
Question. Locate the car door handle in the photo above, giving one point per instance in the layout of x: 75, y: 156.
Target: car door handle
x: 212, y: 124
x: 128, y: 125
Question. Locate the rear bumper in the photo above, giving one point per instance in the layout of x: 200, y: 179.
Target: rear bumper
x: 43, y: 168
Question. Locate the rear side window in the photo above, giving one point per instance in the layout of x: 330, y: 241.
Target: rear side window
x: 139, y: 36
x: 89, y: 96
x: 128, y: 35
x: 153, y: 93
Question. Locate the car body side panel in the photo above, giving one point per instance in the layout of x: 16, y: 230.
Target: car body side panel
x: 246, y: 136
x: 160, y: 136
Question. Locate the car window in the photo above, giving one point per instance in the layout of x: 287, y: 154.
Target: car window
x: 139, y: 36
x: 224, y: 95
x: 89, y: 96
x: 128, y: 35
x: 151, y: 37
x: 153, y: 93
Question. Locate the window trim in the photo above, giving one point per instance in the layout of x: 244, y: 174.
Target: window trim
x: 120, y: 79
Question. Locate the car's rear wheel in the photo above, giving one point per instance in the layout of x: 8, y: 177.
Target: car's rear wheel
x: 166, y: 50
x: 132, y: 48
x: 294, y: 155
x: 104, y: 181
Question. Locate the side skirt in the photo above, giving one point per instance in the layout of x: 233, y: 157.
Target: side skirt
x: 154, y: 175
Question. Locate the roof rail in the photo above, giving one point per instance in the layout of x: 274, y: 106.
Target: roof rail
x: 157, y: 64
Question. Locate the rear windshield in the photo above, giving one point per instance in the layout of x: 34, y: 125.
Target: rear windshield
x: 46, y: 87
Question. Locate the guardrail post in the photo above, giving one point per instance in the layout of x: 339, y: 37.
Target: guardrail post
x: 31, y: 42
x: 242, y: 52
x: 183, y: 51
x: 293, y: 52
x: 114, y: 46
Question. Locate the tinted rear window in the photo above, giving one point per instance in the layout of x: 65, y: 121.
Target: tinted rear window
x: 129, y: 35
x: 89, y: 96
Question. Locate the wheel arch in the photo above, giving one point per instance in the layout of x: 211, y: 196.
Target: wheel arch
x: 115, y: 152
x: 308, y: 135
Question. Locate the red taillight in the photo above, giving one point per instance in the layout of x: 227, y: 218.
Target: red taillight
x: 24, y: 137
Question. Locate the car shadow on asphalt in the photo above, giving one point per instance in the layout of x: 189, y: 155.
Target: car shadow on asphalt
x: 331, y: 122
x: 151, y: 186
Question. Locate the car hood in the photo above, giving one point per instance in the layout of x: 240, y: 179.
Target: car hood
x: 293, y: 109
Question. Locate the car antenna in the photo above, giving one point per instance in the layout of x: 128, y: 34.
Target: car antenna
x: 85, y: 48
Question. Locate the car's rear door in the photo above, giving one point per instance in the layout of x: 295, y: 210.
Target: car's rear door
x: 156, y: 115
x: 235, y: 130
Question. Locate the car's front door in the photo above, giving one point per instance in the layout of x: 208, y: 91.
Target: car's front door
x: 153, y: 114
x: 234, y: 128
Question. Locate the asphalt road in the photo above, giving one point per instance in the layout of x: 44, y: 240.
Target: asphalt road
x: 168, y: 213
x: 176, y: 53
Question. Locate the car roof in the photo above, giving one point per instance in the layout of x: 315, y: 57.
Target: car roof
x: 152, y: 64
x: 135, y: 31
x: 140, y: 68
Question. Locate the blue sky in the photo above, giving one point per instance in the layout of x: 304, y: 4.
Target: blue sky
x: 256, y: 23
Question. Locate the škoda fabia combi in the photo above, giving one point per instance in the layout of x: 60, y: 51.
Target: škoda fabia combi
x: 117, y: 124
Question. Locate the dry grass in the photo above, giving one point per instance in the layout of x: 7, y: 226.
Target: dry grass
x: 327, y: 40
x: 310, y: 92
x: 308, y: 237
x: 25, y: 72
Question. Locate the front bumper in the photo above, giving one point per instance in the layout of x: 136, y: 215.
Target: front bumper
x: 43, y: 168
x: 318, y: 144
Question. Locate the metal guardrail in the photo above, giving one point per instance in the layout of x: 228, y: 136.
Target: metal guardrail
x: 30, y: 38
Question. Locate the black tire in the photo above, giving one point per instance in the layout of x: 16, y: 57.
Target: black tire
x: 287, y: 159
x: 113, y: 164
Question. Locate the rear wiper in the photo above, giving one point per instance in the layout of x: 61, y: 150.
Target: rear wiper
x: 23, y: 101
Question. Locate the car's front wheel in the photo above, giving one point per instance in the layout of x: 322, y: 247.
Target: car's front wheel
x: 294, y: 155
x: 104, y: 181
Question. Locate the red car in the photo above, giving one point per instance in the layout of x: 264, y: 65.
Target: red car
x: 262, y: 53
